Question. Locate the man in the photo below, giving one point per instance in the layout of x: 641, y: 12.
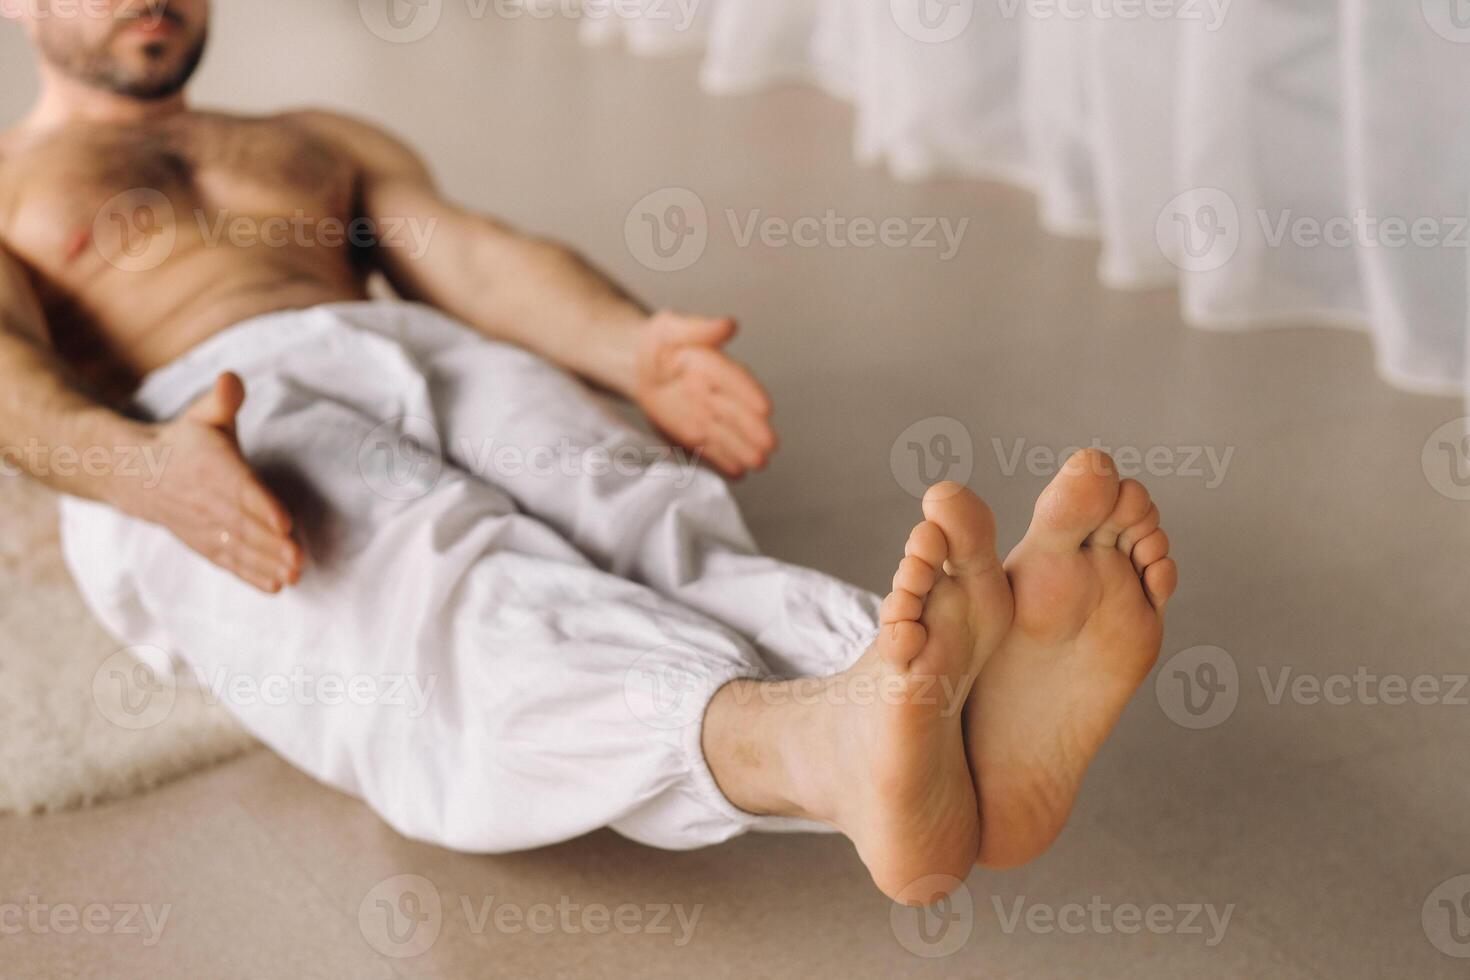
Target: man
x: 593, y: 637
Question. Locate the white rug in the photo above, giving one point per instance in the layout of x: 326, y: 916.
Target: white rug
x: 73, y: 730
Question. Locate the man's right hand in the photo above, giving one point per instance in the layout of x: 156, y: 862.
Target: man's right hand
x: 211, y: 499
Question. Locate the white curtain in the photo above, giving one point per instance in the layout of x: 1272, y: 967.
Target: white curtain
x: 1283, y: 161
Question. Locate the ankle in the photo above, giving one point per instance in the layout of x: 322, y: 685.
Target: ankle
x: 753, y: 739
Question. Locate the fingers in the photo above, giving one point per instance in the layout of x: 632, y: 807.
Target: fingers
x: 728, y: 454
x: 752, y: 431
x: 250, y: 535
x: 250, y: 566
x: 733, y: 439
x: 754, y: 427
x: 244, y: 546
x: 258, y: 502
x: 278, y: 555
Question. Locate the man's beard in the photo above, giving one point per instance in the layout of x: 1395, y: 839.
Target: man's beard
x: 100, y: 69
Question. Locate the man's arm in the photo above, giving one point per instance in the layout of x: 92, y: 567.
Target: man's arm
x: 195, y: 483
x: 41, y: 409
x: 546, y: 298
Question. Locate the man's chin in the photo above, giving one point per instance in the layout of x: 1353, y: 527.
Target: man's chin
x: 156, y: 73
x: 150, y: 86
x: 148, y: 93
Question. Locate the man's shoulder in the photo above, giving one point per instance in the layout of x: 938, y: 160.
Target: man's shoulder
x: 368, y: 142
x: 9, y: 141
x: 331, y: 123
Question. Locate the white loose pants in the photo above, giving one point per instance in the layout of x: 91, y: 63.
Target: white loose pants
x: 515, y: 609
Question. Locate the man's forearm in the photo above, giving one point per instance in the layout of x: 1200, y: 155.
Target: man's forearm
x: 556, y: 303
x: 51, y: 430
x: 529, y: 291
x: 532, y: 292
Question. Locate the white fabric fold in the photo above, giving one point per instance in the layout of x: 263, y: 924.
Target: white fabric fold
x: 516, y: 607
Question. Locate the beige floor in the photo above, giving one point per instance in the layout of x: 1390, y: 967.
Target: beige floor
x: 1325, y: 549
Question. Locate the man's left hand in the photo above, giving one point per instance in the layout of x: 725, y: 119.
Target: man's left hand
x: 701, y: 398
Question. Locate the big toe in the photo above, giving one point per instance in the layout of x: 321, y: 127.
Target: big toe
x: 1076, y: 503
x: 968, y: 526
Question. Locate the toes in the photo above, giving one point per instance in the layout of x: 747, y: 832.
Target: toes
x: 900, y: 643
x: 926, y: 542
x: 1129, y: 539
x: 1150, y: 549
x: 1076, y: 502
x: 967, y: 524
x: 924, y: 556
x: 1132, y: 506
x: 914, y: 575
x: 900, y: 606
x: 1160, y: 580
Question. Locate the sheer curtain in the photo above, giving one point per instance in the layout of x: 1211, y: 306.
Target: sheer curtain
x: 1283, y: 161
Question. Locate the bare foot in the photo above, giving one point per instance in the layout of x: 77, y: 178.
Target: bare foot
x: 878, y: 750
x: 1090, y: 578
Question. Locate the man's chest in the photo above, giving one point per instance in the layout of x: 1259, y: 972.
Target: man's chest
x: 65, y: 196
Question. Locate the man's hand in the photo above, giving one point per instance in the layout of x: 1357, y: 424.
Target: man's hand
x: 212, y: 501
x: 701, y: 398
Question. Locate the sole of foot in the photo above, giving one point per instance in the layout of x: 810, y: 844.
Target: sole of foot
x: 1090, y: 580
x: 900, y: 786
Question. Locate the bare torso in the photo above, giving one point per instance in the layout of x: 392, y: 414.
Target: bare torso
x: 144, y: 240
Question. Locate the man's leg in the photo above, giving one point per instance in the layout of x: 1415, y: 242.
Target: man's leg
x: 465, y: 672
x: 469, y: 674
x: 447, y: 658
